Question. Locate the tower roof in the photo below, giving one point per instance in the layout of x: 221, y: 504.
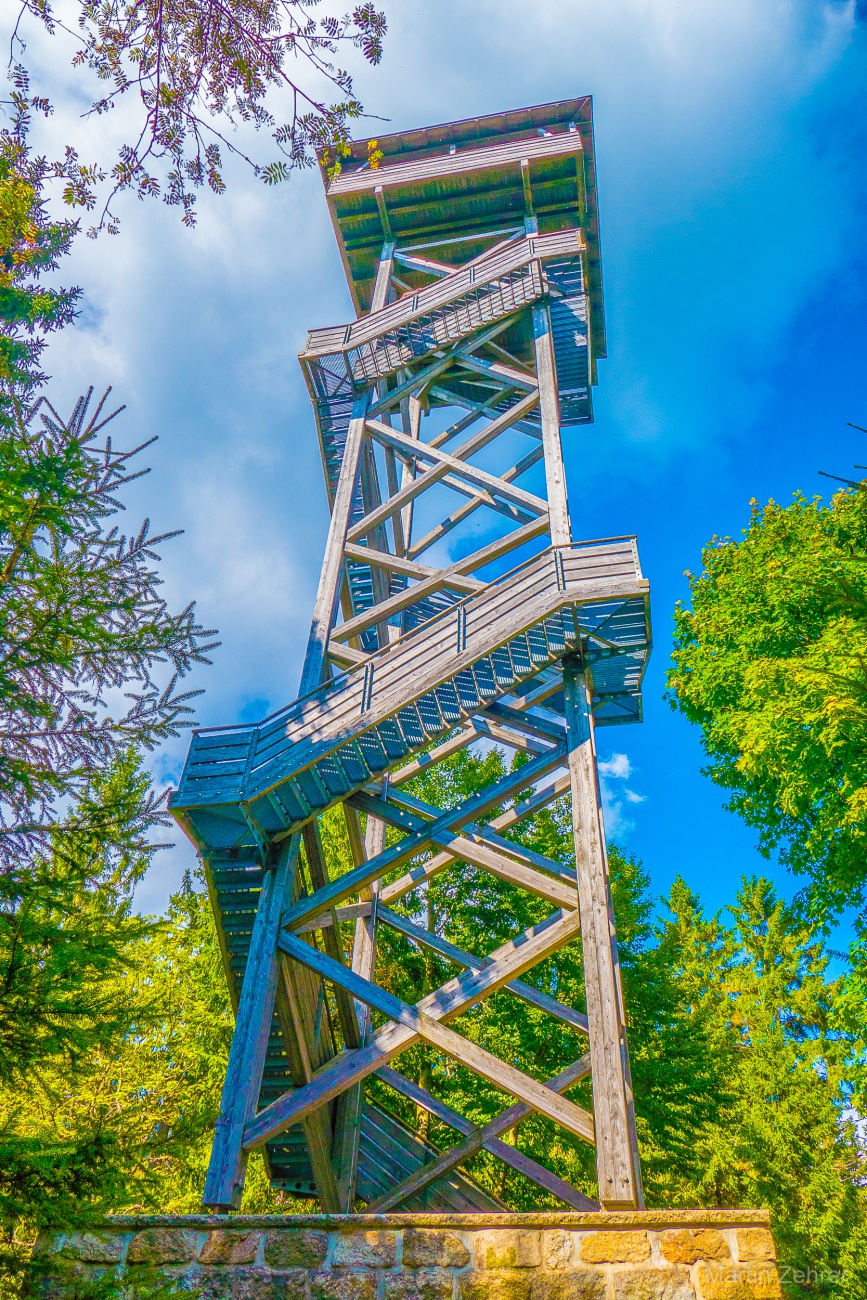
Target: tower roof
x: 468, y: 182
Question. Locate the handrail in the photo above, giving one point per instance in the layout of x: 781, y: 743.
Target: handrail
x: 343, y: 679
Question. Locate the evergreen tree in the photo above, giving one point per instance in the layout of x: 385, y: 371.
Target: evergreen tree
x: 82, y: 624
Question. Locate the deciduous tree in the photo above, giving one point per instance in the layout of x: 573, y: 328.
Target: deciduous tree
x: 769, y: 662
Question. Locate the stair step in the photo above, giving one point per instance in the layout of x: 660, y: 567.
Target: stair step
x: 411, y: 725
x: 431, y: 715
x: 314, y: 790
x: 450, y: 705
x: 371, y: 747
x: 467, y: 690
x: 353, y: 764
x: 520, y: 653
x: 502, y: 666
x: 392, y: 739
x: 486, y: 683
x: 538, y: 643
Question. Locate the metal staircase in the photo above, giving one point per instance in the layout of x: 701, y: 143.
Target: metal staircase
x: 453, y: 608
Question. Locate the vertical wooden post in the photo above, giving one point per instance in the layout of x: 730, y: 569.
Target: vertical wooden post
x: 618, y: 1168
x: 225, y: 1178
x: 549, y: 409
x: 325, y: 607
x: 363, y: 963
x: 616, y: 1146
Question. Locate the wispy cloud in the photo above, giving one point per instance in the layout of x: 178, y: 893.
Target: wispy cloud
x: 613, y: 772
x: 706, y: 129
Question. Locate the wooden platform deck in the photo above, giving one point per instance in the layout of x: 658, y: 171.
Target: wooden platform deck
x: 283, y: 771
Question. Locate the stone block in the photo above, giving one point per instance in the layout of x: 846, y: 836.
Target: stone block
x: 289, y: 1284
x: 513, y: 1285
x: 615, y: 1247
x: 738, y: 1282
x: 419, y: 1284
x: 295, y: 1248
x: 755, y: 1244
x: 230, y: 1246
x: 94, y: 1247
x: 163, y: 1246
x: 71, y: 1278
x: 235, y: 1282
x: 430, y: 1249
x: 509, y: 1248
x: 689, y: 1245
x: 653, y: 1284
x: 342, y: 1286
x: 571, y: 1284
x: 559, y: 1249
x: 364, y: 1250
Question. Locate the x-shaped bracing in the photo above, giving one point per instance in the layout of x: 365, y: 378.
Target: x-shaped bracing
x: 465, y: 833
x: 378, y: 581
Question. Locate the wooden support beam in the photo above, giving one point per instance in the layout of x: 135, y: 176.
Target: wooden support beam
x: 318, y: 868
x: 454, y: 576
x: 294, y: 1013
x: 321, y: 900
x: 325, y: 607
x: 419, y: 875
x: 428, y: 373
x: 363, y: 964
x: 479, y: 1138
x: 434, y: 1032
x: 400, y: 811
x: 473, y: 849
x: 446, y: 466
x: 619, y: 1177
x: 463, y: 469
x: 439, y: 270
x: 225, y: 1178
x: 526, y: 992
x: 549, y: 406
x: 382, y: 285
x: 508, y: 962
x: 437, y: 533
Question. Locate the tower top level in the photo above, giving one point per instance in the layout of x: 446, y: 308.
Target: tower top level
x: 440, y: 189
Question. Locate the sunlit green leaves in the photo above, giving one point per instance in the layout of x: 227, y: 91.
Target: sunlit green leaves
x: 770, y: 663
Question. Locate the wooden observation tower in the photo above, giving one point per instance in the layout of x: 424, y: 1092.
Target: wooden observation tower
x: 453, y: 607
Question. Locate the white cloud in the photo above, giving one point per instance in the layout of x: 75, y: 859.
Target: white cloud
x: 703, y: 146
x: 618, y: 766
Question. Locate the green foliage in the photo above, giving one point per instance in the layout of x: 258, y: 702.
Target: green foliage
x: 82, y: 626
x: 769, y: 662
x: 30, y: 245
x: 191, y: 72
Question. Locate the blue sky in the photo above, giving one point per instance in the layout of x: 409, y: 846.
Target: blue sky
x: 733, y: 193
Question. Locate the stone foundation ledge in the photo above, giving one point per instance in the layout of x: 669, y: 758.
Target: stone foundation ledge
x: 622, y: 1255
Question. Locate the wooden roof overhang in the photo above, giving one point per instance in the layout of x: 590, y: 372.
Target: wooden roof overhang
x: 462, y: 180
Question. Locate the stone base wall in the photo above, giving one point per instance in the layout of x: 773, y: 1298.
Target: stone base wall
x: 635, y: 1255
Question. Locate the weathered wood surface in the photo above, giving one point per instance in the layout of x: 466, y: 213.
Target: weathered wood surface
x: 487, y: 1137
x: 458, y: 995
x: 494, y: 158
x: 597, y: 580
x: 253, y: 1023
x: 496, y: 315
x: 618, y: 1177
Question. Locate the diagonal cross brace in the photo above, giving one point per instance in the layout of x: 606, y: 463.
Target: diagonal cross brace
x: 321, y: 900
x: 490, y: 1067
x: 476, y: 1139
x: 508, y: 962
